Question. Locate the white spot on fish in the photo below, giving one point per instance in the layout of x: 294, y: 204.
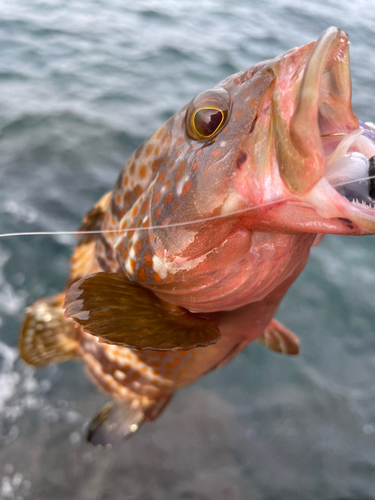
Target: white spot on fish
x: 159, y: 266
x: 231, y: 204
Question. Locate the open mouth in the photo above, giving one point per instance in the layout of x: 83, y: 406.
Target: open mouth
x: 328, y: 146
x: 351, y: 165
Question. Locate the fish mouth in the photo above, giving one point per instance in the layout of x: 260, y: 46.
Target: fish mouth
x: 330, y: 155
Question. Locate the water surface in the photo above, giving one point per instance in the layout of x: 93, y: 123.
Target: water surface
x: 82, y: 84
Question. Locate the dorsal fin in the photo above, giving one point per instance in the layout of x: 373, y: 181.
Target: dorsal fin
x: 84, y: 253
x: 46, y: 336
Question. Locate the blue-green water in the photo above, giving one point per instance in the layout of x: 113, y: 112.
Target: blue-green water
x: 82, y: 83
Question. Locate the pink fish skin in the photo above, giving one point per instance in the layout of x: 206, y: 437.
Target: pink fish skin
x: 212, y: 220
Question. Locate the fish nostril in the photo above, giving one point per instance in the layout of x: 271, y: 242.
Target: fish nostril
x: 371, y: 173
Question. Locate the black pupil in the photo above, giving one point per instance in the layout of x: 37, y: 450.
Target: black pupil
x: 207, y: 121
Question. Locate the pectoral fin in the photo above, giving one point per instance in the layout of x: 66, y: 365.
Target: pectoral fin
x: 118, y: 311
x: 280, y: 339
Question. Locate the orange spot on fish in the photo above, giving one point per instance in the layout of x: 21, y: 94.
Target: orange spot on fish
x: 157, y: 277
x: 157, y: 213
x: 169, y: 365
x: 159, y: 133
x: 126, y: 180
x: 168, y: 199
x: 178, y: 152
x: 138, y: 247
x: 216, y: 153
x: 167, y: 373
x: 167, y: 185
x: 176, y: 207
x: 157, y: 164
x: 132, y: 264
x: 179, y: 141
x: 148, y: 150
x: 238, y: 115
x: 125, y: 254
x: 144, y: 207
x: 132, y: 169
x: 127, y: 197
x: 146, y: 223
x: 134, y: 211
x: 157, y: 150
x: 180, y: 170
x: 176, y: 361
x: 156, y: 197
x: 195, y: 166
x: 141, y: 274
x: 187, y: 186
x: 167, y: 137
x: 130, y: 234
x: 142, y: 172
x: 147, y: 259
x: 161, y: 177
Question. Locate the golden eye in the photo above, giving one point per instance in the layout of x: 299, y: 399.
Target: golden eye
x: 207, y: 114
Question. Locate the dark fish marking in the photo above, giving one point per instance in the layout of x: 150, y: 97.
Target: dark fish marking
x: 345, y: 220
x: 107, y: 247
x: 102, y: 263
x: 350, y: 226
x: 253, y: 124
x: 240, y: 160
x: 115, y: 209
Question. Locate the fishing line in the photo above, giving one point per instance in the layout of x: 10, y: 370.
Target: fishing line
x: 166, y: 226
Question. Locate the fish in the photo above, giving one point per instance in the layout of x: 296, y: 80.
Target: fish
x: 185, y: 262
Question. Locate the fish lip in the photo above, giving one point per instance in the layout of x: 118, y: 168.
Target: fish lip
x: 322, y: 107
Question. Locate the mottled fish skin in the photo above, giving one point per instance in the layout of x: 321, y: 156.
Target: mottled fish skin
x: 180, y: 226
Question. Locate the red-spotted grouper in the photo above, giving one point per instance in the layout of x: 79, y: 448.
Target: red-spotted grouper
x: 212, y: 220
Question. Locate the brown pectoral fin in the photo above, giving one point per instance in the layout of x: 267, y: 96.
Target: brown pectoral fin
x: 118, y: 311
x: 279, y: 338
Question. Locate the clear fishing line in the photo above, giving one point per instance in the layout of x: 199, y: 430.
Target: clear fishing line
x: 166, y: 226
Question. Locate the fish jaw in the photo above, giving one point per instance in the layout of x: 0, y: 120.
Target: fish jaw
x: 312, y: 146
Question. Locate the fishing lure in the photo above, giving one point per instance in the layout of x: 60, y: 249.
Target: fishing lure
x: 186, y: 261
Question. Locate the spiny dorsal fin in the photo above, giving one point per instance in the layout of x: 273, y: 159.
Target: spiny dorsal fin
x: 116, y: 310
x: 46, y: 336
x: 84, y: 253
x: 280, y: 339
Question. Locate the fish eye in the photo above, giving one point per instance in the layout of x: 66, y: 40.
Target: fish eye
x: 207, y: 114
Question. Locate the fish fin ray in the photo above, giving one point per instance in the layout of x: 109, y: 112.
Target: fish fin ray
x: 118, y: 311
x: 116, y: 421
x: 46, y: 335
x: 279, y: 338
x: 84, y: 253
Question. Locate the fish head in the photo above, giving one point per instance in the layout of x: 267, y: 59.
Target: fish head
x: 306, y: 159
x: 226, y: 184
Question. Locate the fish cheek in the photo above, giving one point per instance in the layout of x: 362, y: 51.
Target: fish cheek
x: 232, y: 250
